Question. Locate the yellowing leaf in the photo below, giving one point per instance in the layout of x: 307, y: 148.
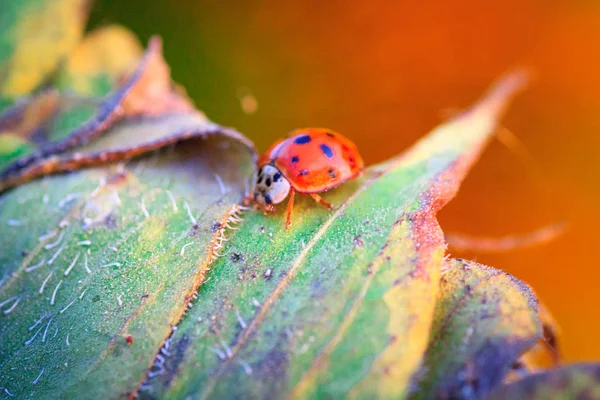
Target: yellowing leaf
x: 12, y: 146
x: 35, y: 36
x: 66, y: 122
x: 101, y: 59
x: 484, y: 320
x: 544, y: 354
x: 568, y: 382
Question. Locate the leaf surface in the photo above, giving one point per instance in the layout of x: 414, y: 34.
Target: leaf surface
x: 123, y: 272
x: 483, y: 321
x: 107, y: 254
x: 56, y: 123
x: 35, y: 35
x: 341, y: 304
x: 102, y: 58
x: 577, y: 381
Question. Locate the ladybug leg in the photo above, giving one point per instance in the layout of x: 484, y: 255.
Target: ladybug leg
x: 247, y: 200
x: 320, y: 200
x: 290, y: 205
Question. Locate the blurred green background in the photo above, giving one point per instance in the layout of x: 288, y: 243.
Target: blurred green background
x: 382, y: 73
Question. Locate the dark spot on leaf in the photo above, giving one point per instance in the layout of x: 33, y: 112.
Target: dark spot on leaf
x: 332, y: 173
x: 236, y: 257
x: 358, y: 241
x: 302, y: 139
x: 171, y: 365
x: 96, y: 298
x: 272, y: 371
x: 295, y: 159
x: 24, y: 253
x: 111, y: 221
x: 262, y: 229
x: 327, y: 151
x: 193, y: 231
x: 145, y: 296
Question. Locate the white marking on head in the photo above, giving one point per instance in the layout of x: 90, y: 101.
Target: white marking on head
x: 271, y: 187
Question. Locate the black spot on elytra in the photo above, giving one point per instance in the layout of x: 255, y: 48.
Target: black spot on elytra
x: 327, y: 151
x: 260, y: 171
x: 268, y: 181
x: 330, y: 134
x: 303, y: 172
x: 332, y: 173
x: 268, y: 199
x: 295, y: 159
x: 259, y: 180
x: 302, y: 139
x: 276, y: 177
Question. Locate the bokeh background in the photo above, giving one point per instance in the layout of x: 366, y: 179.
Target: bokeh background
x: 384, y: 73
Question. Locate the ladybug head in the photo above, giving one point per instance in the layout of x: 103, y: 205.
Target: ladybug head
x: 271, y: 187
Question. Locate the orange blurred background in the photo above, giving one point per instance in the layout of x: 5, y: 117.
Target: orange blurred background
x: 383, y: 72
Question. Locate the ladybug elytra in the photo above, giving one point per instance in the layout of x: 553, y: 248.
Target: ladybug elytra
x: 309, y: 161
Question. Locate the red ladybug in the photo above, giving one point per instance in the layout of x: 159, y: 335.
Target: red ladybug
x: 308, y: 161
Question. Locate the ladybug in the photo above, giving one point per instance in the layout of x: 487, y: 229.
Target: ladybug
x: 309, y: 161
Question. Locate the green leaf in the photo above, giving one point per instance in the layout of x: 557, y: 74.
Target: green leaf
x: 130, y: 278
x: 484, y: 320
x: 35, y: 35
x: 341, y: 304
x: 105, y: 254
x: 577, y: 381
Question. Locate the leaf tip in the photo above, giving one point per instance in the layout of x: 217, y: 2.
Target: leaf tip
x: 503, y: 90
